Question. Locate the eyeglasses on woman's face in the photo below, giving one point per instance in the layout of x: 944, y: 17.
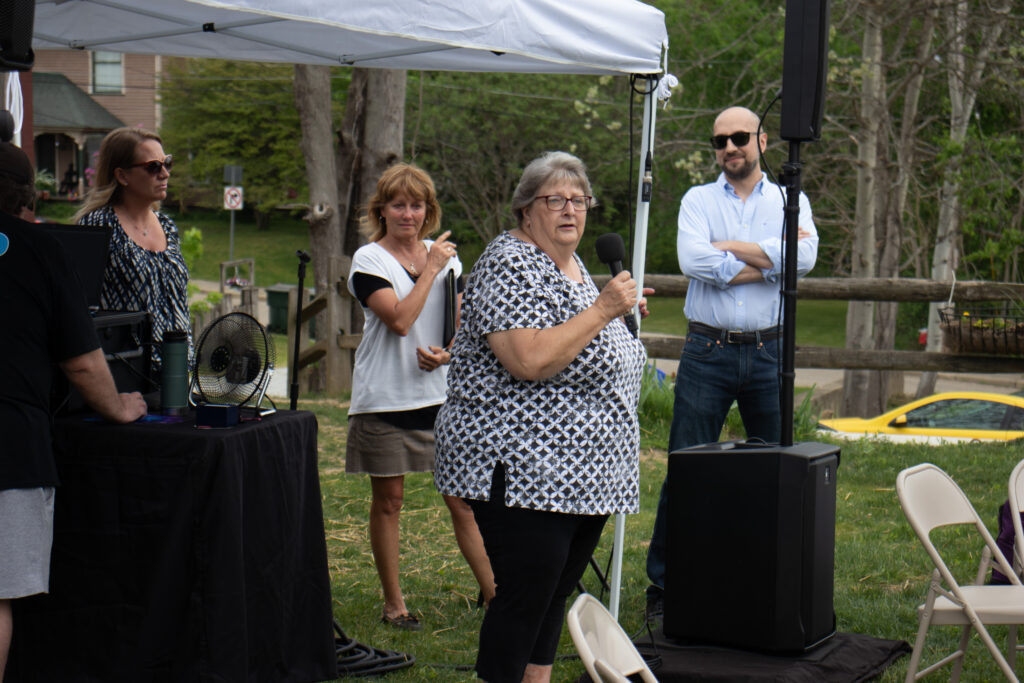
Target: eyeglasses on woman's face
x: 154, y: 167
x: 557, y: 202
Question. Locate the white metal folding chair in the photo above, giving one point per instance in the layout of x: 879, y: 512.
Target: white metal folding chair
x: 1016, y: 491
x: 604, y: 648
x: 1016, y: 498
x: 931, y: 499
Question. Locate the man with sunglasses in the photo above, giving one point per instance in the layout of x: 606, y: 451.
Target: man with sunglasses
x: 730, y: 245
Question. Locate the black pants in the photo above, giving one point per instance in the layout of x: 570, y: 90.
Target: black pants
x: 537, y: 558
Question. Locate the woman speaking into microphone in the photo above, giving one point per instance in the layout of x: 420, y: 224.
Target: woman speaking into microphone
x: 539, y: 432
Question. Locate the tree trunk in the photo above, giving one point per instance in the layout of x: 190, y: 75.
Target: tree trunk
x: 262, y: 219
x: 859, y: 316
x: 313, y: 100
x: 963, y: 79
x: 891, y: 383
x: 342, y: 179
x: 370, y: 140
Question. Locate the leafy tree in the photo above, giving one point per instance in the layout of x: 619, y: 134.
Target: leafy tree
x: 476, y: 132
x: 220, y: 112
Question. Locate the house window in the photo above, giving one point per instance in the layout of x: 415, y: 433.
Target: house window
x: 107, y: 72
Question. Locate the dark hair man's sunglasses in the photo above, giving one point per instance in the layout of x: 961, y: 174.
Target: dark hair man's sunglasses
x: 738, y: 139
x: 154, y: 167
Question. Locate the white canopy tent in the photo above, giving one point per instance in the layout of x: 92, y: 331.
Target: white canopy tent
x: 531, y: 36
x: 618, y: 37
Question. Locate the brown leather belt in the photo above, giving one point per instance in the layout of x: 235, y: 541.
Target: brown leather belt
x: 735, y: 336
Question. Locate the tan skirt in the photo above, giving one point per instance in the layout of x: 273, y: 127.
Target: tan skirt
x: 379, y: 449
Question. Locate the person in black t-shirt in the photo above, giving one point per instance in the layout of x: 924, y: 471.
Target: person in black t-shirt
x: 46, y: 322
x: 17, y: 181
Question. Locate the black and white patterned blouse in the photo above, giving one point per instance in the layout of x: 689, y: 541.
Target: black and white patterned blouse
x: 569, y: 443
x: 138, y: 279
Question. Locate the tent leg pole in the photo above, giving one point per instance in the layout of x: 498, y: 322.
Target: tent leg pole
x: 639, y: 257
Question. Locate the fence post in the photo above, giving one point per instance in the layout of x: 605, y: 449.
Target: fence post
x: 338, y: 369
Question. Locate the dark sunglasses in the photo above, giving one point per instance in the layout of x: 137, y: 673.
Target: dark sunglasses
x: 739, y: 139
x: 154, y: 167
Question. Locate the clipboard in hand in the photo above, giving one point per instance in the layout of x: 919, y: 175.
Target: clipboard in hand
x: 449, y: 308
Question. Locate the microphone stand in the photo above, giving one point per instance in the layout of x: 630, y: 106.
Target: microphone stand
x: 791, y: 172
x: 294, y: 389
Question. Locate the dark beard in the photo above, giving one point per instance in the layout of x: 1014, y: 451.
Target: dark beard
x: 743, y: 173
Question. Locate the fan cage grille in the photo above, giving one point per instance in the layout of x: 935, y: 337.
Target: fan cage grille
x: 234, y: 360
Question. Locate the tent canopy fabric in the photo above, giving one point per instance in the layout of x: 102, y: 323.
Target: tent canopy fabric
x: 527, y: 36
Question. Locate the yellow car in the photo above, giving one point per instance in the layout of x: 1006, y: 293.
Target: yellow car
x: 941, y: 418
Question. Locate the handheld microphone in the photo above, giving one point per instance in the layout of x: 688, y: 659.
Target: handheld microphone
x: 610, y: 251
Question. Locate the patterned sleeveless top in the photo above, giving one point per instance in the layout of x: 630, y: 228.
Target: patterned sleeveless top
x: 137, y: 279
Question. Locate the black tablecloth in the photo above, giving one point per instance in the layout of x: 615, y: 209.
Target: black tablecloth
x: 183, y: 554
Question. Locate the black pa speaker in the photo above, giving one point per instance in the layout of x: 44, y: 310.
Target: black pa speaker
x: 804, y: 69
x: 751, y: 545
x: 17, y: 17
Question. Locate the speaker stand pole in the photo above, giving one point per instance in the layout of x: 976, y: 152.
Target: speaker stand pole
x: 791, y: 172
x: 294, y: 389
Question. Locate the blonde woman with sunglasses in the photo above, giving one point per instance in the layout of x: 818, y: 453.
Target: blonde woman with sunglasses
x: 145, y: 268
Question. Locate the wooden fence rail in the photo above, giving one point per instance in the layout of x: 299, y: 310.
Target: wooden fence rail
x: 339, y: 351
x: 864, y: 289
x: 671, y: 346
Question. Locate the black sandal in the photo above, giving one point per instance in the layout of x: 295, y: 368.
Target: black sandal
x: 404, y: 622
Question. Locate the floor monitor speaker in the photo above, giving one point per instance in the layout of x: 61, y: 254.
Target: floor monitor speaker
x: 751, y: 545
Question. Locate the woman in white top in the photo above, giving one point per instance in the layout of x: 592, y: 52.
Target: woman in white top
x: 399, y: 380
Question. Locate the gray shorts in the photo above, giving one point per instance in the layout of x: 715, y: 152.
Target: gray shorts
x: 26, y: 536
x: 380, y: 449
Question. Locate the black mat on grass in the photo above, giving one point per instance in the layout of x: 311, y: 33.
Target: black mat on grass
x: 845, y: 658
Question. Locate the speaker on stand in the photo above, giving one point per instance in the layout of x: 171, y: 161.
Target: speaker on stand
x: 17, y: 17
x: 804, y: 70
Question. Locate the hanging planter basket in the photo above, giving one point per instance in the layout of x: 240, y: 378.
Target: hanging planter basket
x: 996, y: 328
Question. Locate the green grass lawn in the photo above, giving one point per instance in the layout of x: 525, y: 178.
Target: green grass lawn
x: 818, y: 323
x: 273, y: 249
x: 881, y: 571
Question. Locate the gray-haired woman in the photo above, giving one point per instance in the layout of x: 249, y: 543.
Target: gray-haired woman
x: 539, y: 431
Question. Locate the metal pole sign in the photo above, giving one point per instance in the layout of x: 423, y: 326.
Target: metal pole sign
x: 233, y: 202
x: 233, y: 197
x: 232, y: 175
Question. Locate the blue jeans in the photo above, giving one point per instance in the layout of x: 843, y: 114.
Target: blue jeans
x: 712, y: 374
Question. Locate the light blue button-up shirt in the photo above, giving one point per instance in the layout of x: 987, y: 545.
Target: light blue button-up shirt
x: 714, y: 213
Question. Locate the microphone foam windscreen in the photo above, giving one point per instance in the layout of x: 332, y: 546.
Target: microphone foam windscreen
x: 610, y: 248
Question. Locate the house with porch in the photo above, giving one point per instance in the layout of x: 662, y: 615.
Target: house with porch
x: 78, y: 96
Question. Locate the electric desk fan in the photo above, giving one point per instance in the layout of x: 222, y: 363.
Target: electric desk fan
x: 233, y: 364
